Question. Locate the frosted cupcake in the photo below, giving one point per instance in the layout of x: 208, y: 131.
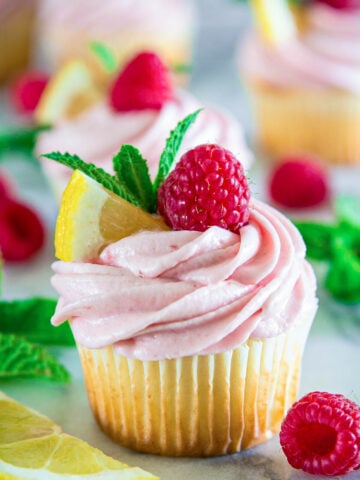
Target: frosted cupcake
x: 142, y: 104
x: 191, y: 339
x: 305, y: 91
x: 128, y: 26
x: 16, y: 30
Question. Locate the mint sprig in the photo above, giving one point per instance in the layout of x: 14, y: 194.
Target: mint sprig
x: 96, y: 173
x: 21, y: 359
x: 30, y: 318
x: 131, y: 171
x: 172, y: 147
x: 132, y: 180
x: 338, y: 244
x: 105, y: 54
x: 19, y: 139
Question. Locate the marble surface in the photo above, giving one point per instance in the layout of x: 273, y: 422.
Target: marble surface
x: 332, y: 355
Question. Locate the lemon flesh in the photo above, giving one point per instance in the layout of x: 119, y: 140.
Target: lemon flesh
x: 274, y: 19
x: 91, y: 217
x: 70, y: 91
x: 33, y: 447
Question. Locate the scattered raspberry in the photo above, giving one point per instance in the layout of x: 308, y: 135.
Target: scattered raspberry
x: 321, y: 434
x: 207, y: 187
x: 342, y: 4
x: 21, y: 231
x: 299, y: 182
x: 4, y: 187
x: 27, y: 90
x: 143, y: 84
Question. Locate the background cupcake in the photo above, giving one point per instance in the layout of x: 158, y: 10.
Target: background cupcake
x: 138, y: 108
x: 67, y: 28
x: 305, y: 87
x: 16, y: 35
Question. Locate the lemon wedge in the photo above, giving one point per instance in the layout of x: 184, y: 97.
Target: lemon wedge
x: 71, y: 90
x: 90, y: 217
x: 274, y: 19
x: 34, y: 447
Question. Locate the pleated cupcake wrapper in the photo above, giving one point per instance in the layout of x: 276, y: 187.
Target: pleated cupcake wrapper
x: 323, y: 122
x: 196, y: 406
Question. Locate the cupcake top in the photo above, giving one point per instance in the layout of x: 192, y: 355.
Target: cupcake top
x: 157, y: 295
x: 325, y: 54
x: 231, y: 269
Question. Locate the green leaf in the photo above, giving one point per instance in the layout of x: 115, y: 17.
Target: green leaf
x: 30, y: 319
x: 343, y: 277
x: 21, y: 359
x: 318, y: 239
x: 96, y: 173
x: 172, y: 146
x: 19, y: 139
x: 182, y: 68
x: 105, y: 54
x: 132, y: 172
x: 347, y: 209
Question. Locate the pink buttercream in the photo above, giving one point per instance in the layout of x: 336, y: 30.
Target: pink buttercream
x: 158, y: 295
x: 326, y: 55
x: 97, y: 134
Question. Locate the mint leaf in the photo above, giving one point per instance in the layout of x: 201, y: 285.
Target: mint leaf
x: 21, y: 359
x: 172, y: 146
x: 105, y: 54
x: 96, y: 173
x: 132, y: 171
x: 30, y: 318
x: 19, y: 139
x: 347, y: 209
x: 343, y: 277
x: 182, y: 68
x: 318, y: 239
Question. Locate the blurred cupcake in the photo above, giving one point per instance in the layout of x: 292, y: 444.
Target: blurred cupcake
x: 138, y: 109
x: 305, y: 91
x: 191, y: 340
x: 128, y: 26
x: 16, y: 32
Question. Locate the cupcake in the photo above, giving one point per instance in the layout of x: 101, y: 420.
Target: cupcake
x: 165, y: 26
x: 190, y: 334
x: 138, y: 108
x: 305, y: 91
x: 16, y: 30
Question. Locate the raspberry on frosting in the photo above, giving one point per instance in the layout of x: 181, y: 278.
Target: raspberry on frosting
x: 143, y: 84
x: 208, y: 187
x: 321, y: 434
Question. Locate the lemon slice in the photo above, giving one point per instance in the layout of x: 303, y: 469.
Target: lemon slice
x: 90, y: 217
x: 34, y: 447
x: 274, y: 20
x: 70, y: 91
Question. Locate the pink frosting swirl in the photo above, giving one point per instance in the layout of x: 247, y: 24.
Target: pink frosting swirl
x: 158, y: 295
x: 327, y: 54
x: 97, y: 134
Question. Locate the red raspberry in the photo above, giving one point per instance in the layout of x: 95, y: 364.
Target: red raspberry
x: 321, y: 434
x: 4, y: 187
x: 143, y: 84
x: 299, y: 182
x: 27, y: 90
x: 207, y: 187
x: 342, y: 4
x: 21, y: 231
